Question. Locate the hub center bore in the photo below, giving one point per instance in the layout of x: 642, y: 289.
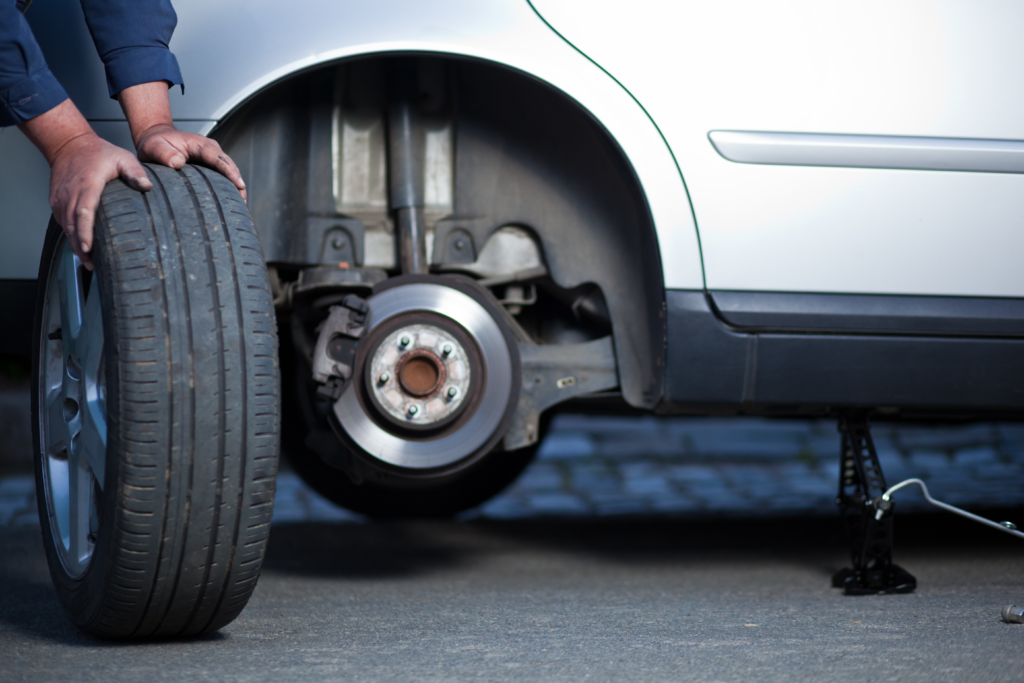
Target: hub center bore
x: 420, y: 373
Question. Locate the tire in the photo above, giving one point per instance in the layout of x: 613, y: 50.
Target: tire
x: 176, y: 360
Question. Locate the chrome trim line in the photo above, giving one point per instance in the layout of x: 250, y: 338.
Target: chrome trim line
x: 870, y: 151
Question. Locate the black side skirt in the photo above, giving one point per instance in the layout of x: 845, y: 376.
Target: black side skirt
x: 712, y: 366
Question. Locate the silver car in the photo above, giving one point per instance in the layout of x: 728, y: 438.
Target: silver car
x: 471, y: 214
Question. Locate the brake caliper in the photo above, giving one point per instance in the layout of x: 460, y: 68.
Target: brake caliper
x: 335, y: 353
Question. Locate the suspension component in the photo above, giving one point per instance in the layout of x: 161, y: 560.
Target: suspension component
x: 867, y: 516
x: 405, y: 168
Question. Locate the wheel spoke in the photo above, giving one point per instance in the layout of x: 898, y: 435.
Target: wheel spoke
x: 57, y: 437
x: 93, y: 437
x: 92, y: 444
x: 79, y: 498
x: 69, y: 285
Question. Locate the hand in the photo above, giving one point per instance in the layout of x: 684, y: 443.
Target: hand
x: 81, y: 165
x: 162, y: 144
x: 148, y: 110
x: 78, y: 174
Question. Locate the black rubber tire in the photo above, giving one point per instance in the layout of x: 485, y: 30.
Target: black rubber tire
x: 193, y: 410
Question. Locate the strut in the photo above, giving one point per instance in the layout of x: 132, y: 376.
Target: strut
x: 867, y: 516
x: 405, y: 168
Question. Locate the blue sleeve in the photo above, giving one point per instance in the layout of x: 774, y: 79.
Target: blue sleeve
x: 132, y: 37
x: 27, y: 88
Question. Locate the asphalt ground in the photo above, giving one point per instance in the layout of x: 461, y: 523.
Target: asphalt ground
x: 606, y: 599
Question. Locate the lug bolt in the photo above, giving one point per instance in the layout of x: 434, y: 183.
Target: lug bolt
x: 452, y: 393
x: 413, y: 411
x: 384, y: 377
x: 404, y: 341
x: 447, y: 350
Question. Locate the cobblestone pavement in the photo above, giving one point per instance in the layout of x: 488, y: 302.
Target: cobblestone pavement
x: 699, y: 467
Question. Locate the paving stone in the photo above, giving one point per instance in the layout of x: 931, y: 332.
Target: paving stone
x: 976, y: 455
x: 594, y: 479
x: 942, y: 438
x: 639, y: 447
x: 558, y: 503
x: 647, y: 486
x: 620, y: 505
x: 677, y: 503
x: 709, y: 489
x: 998, y: 470
x: 927, y: 461
x: 567, y: 446
x: 725, y: 500
x: 505, y: 508
x: 649, y: 465
x: 692, y: 473
x: 540, y: 476
x: 746, y: 476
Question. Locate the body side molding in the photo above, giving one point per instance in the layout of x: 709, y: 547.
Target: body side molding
x: 870, y: 313
x: 870, y: 151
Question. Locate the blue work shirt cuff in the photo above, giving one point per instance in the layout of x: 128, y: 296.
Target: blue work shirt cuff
x: 30, y: 97
x: 141, y: 65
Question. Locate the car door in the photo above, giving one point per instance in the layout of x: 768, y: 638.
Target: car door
x: 905, y: 176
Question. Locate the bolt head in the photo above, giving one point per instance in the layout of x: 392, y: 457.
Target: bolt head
x: 453, y: 392
x: 447, y: 350
x: 383, y: 378
x: 404, y: 341
x: 413, y: 411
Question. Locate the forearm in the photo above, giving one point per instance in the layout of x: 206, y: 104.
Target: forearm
x: 52, y: 131
x: 145, y: 106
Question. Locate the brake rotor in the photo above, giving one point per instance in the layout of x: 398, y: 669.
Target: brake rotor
x: 436, y: 377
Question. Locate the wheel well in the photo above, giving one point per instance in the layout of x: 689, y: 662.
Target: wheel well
x: 508, y: 150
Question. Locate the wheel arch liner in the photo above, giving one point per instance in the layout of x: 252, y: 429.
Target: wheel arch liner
x: 548, y: 166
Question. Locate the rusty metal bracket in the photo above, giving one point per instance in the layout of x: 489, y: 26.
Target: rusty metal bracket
x: 555, y: 373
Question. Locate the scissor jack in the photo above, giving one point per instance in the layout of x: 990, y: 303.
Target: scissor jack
x: 867, y: 516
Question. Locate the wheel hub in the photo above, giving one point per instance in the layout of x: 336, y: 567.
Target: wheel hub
x: 420, y: 374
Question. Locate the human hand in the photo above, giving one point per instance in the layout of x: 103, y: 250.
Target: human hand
x: 81, y: 165
x: 163, y: 144
x: 148, y: 110
x: 78, y: 174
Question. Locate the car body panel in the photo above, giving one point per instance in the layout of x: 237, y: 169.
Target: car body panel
x: 230, y: 50
x: 917, y: 68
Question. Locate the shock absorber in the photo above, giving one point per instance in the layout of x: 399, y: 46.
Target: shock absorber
x: 405, y: 167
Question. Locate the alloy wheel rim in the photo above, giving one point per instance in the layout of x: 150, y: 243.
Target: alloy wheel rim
x: 72, y: 409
